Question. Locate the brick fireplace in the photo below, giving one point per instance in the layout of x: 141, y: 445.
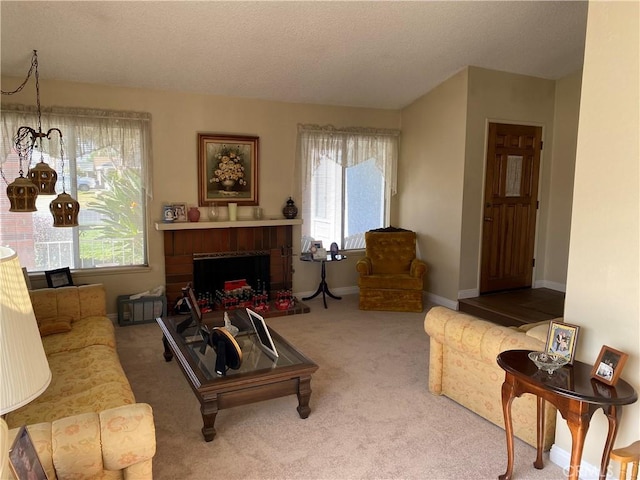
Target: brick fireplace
x: 184, y: 240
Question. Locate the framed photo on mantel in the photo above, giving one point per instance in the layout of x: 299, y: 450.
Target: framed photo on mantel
x: 227, y: 169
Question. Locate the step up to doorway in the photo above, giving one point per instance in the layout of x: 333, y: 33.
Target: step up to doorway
x: 516, y: 308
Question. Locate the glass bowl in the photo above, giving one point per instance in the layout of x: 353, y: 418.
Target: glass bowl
x: 548, y: 361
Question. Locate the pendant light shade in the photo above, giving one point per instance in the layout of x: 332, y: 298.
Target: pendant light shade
x: 44, y: 177
x: 65, y: 209
x: 22, y: 194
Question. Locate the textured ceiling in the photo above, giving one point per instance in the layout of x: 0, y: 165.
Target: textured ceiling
x: 382, y: 54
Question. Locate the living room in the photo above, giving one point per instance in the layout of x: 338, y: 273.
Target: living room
x: 583, y: 247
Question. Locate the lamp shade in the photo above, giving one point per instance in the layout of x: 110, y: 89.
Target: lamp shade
x: 24, y: 369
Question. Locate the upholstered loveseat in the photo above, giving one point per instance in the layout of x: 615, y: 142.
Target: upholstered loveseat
x: 87, y: 419
x: 391, y: 277
x: 463, y: 367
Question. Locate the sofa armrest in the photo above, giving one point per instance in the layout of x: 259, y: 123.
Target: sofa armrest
x: 83, y: 446
x: 472, y: 336
x: 364, y: 266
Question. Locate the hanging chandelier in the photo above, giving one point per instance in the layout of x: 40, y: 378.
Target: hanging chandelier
x: 41, y: 179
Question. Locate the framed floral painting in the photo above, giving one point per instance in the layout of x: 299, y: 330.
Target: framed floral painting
x: 227, y: 169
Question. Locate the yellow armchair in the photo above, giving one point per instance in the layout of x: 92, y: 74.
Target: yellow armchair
x: 391, y: 277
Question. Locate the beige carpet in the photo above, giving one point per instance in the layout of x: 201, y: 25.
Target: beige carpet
x: 372, y: 416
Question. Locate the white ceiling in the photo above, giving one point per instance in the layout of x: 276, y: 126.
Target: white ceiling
x: 382, y: 54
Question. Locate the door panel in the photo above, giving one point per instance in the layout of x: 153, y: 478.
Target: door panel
x: 511, y: 190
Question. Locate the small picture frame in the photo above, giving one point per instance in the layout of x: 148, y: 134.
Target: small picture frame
x: 24, y: 459
x: 180, y: 212
x: 608, y: 366
x: 60, y: 277
x: 562, y: 340
x: 168, y: 214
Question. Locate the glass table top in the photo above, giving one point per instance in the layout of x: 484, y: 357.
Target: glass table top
x: 254, y: 358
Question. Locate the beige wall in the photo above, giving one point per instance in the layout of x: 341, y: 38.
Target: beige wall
x: 442, y: 168
x: 603, y: 287
x: 562, y: 170
x: 430, y: 176
x: 177, y: 117
x: 508, y: 98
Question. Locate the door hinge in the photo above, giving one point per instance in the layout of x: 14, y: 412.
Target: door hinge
x: 533, y: 262
x: 537, y: 204
x: 541, y: 145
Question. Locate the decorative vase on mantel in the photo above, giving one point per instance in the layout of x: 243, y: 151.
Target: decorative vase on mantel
x: 290, y: 210
x: 193, y: 214
x: 213, y: 212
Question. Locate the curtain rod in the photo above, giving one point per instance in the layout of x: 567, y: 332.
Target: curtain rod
x: 75, y: 112
x: 330, y: 129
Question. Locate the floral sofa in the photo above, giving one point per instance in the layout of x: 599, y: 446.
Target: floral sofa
x: 86, y: 424
x: 463, y: 367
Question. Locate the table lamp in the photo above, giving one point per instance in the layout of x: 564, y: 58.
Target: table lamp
x: 24, y: 369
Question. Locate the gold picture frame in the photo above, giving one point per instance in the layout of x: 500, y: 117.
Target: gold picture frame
x: 227, y: 169
x: 562, y: 339
x: 608, y: 366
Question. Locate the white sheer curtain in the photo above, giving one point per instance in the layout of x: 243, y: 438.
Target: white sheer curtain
x: 348, y: 147
x: 128, y: 134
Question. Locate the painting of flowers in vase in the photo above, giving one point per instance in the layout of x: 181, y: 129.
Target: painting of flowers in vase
x: 227, y: 169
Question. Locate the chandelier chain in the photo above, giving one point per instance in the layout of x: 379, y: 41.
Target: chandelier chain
x: 34, y: 66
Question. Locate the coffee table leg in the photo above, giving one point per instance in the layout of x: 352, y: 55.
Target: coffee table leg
x: 209, y: 411
x: 304, y: 395
x: 168, y: 355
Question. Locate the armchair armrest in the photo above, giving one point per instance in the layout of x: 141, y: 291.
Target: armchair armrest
x: 364, y: 266
x: 418, y: 268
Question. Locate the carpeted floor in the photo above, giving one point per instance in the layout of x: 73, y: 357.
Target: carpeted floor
x: 372, y: 416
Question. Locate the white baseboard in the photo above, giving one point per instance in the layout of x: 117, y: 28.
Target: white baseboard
x: 470, y: 293
x: 562, y: 458
x: 430, y: 297
x: 559, y: 287
x: 438, y: 300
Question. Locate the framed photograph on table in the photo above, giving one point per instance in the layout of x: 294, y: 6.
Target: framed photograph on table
x: 562, y: 339
x: 24, y: 459
x: 608, y: 366
x: 227, y: 169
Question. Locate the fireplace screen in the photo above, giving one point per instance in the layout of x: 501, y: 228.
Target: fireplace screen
x: 210, y: 272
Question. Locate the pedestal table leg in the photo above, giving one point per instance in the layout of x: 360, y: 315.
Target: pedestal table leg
x: 507, y: 399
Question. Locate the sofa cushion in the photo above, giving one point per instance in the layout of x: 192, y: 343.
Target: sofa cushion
x: 53, y: 325
x: 94, y: 399
x: 85, y: 332
x: 73, y: 372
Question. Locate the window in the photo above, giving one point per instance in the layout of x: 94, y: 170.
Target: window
x: 348, y: 177
x: 106, y: 168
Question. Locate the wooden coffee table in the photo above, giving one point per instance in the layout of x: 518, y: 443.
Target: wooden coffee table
x: 258, y: 378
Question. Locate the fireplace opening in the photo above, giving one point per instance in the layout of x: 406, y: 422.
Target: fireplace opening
x: 211, y: 271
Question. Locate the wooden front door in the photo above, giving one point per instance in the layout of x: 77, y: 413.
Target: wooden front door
x: 510, y: 203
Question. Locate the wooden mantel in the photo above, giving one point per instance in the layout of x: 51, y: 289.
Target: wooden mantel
x: 226, y: 224
x: 184, y: 239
